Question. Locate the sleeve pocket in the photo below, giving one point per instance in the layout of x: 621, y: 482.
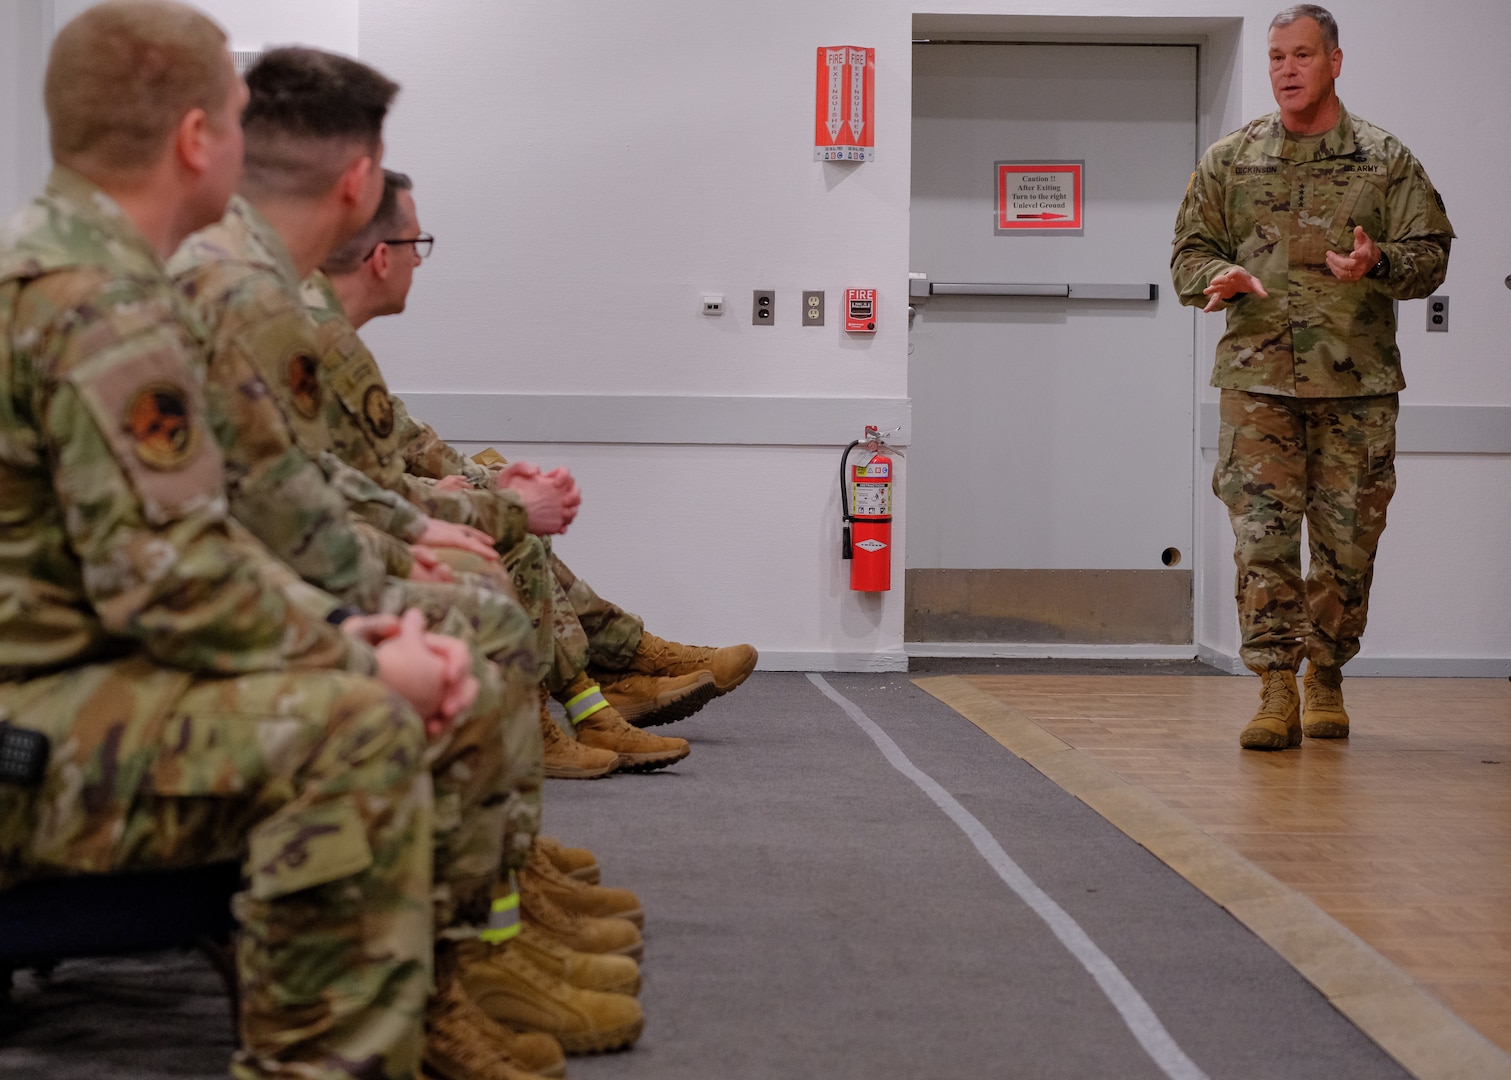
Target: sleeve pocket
x: 319, y: 845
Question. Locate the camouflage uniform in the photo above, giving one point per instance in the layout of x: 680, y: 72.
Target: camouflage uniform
x: 1309, y: 375
x: 289, y: 487
x: 196, y: 711
x: 376, y: 435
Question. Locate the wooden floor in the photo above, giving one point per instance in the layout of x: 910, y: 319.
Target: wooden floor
x: 1402, y: 833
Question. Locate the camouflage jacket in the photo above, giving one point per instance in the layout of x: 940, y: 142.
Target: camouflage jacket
x: 114, y: 538
x: 1275, y: 205
x: 365, y: 424
x: 286, y: 483
x: 427, y: 454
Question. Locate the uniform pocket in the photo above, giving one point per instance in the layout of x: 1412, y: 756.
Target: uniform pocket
x: 318, y: 845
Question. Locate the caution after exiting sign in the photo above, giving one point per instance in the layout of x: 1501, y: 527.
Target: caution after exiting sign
x: 1039, y: 196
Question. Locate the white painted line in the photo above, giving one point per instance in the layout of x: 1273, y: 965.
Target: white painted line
x: 1135, y: 1011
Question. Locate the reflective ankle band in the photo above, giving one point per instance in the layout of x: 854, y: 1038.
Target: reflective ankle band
x: 585, y: 705
x: 503, y: 922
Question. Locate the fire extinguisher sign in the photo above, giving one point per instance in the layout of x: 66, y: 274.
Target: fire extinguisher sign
x: 1039, y: 197
x: 844, y: 121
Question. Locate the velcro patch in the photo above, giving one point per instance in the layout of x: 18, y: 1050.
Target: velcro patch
x: 149, y: 407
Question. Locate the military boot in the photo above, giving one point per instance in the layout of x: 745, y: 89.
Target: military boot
x: 586, y: 971
x: 567, y: 759
x: 516, y: 993
x: 595, y: 901
x: 462, y: 1042
x: 575, y: 862
x: 1322, y: 713
x: 649, y: 700
x: 1277, y: 724
x: 596, y: 724
x: 730, y: 666
x: 584, y: 933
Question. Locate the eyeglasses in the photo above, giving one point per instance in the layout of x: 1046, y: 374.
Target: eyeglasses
x: 423, y: 245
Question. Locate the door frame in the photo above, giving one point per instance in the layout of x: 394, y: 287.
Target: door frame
x: 1218, y: 43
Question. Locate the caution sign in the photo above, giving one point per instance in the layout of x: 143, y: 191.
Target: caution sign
x: 844, y: 124
x: 1039, y: 196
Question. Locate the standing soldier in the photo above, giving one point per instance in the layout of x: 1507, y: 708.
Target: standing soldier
x: 199, y: 703
x: 1303, y: 227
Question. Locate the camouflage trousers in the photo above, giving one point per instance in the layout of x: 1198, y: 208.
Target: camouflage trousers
x: 482, y: 825
x: 573, y: 627
x: 316, y: 781
x: 1330, y: 462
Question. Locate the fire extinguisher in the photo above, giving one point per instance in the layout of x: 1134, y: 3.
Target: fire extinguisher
x: 866, y: 508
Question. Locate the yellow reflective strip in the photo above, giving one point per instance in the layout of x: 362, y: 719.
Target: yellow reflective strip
x: 578, y: 715
x: 498, y: 937
x: 506, y: 903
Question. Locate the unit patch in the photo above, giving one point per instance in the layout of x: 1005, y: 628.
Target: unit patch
x: 378, y: 411
x: 158, y: 420
x: 304, y: 384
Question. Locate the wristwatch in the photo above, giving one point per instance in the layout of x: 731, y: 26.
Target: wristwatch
x: 1380, y: 269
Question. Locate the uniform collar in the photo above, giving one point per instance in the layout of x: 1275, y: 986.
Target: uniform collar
x: 1338, y: 141
x: 97, y: 230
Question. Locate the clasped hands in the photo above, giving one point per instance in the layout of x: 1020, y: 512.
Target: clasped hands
x: 432, y: 672
x: 551, y: 499
x: 1351, y: 267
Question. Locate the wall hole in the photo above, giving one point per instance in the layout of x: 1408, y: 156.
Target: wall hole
x: 1170, y: 556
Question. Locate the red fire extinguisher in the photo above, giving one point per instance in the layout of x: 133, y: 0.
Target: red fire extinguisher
x: 867, y: 511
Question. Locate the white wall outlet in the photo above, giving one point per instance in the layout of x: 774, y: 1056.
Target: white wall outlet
x: 713, y: 303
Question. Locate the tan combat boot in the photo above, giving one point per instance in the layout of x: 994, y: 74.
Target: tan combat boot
x: 1277, y: 724
x: 462, y: 1042
x: 596, y: 724
x: 575, y: 862
x: 1322, y: 713
x: 595, y: 901
x: 584, y: 933
x: 586, y: 971
x: 649, y: 700
x: 516, y: 993
x: 567, y: 759
x: 730, y: 666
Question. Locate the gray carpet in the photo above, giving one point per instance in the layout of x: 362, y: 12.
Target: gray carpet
x: 812, y: 913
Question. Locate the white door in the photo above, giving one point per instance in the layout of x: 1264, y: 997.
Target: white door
x: 1051, y: 433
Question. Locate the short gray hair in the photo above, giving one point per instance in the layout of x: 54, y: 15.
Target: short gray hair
x: 350, y: 255
x: 1318, y: 14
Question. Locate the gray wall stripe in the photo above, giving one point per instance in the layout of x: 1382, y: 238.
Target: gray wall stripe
x: 1423, y: 429
x: 1135, y: 1011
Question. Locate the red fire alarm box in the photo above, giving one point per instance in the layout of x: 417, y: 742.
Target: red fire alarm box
x: 860, y: 311
x: 844, y: 124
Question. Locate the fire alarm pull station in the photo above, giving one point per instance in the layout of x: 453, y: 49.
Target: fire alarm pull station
x: 860, y: 311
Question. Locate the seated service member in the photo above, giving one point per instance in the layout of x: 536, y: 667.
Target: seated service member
x: 197, y: 711
x: 313, y: 138
x: 644, y: 678
x: 1304, y: 227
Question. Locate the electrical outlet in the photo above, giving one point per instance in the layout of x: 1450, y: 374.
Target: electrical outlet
x: 713, y: 303
x: 1437, y: 313
x: 763, y: 307
x: 813, y: 307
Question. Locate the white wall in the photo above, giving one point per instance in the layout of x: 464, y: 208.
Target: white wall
x: 591, y: 176
x: 589, y: 179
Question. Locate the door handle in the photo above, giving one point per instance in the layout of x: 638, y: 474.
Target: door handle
x: 921, y: 288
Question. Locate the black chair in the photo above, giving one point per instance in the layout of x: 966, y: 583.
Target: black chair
x: 46, y: 921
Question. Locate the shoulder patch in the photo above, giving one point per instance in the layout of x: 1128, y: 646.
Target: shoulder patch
x: 304, y: 383
x: 377, y: 409
x: 159, y: 421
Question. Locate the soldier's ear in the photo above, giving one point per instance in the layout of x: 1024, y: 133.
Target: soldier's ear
x: 191, y: 142
x: 381, y: 261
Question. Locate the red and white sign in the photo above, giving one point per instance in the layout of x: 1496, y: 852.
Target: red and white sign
x: 860, y: 311
x: 1037, y: 196
x: 844, y: 121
